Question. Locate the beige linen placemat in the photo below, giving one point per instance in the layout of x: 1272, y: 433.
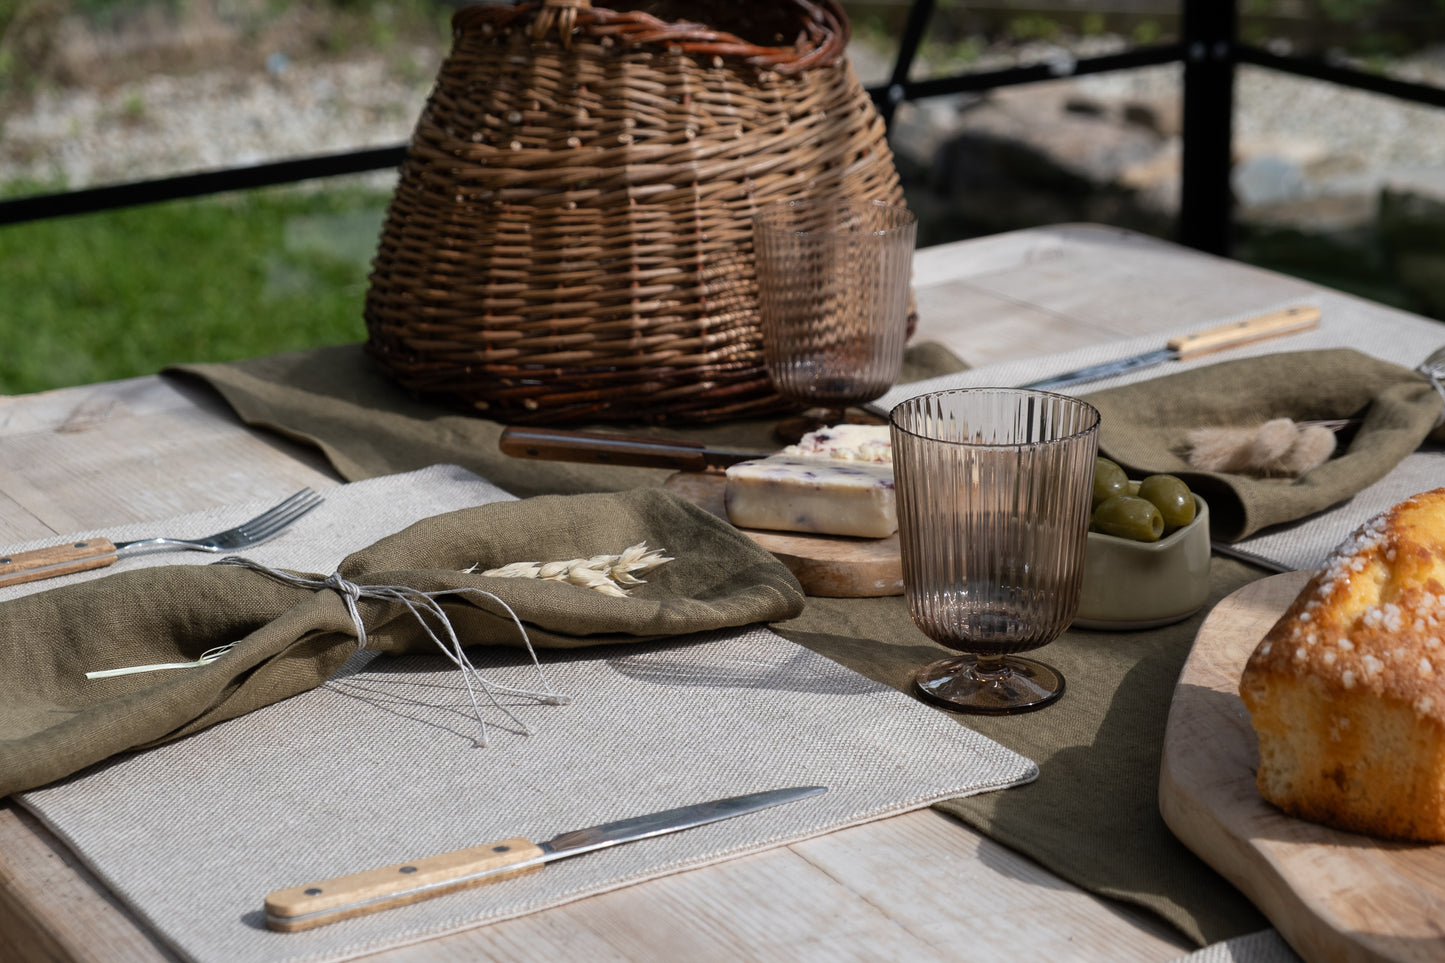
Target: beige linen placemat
x: 379, y: 765
x: 1345, y: 322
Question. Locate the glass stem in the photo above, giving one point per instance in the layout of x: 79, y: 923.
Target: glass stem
x: 990, y: 668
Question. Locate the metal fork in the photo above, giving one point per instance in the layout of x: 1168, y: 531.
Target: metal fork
x: 99, y: 552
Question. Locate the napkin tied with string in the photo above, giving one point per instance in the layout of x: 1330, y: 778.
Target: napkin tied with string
x: 1393, y: 411
x: 291, y: 638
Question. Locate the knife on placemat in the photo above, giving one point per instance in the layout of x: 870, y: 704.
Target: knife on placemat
x: 1193, y: 345
x: 602, y: 448
x: 328, y: 901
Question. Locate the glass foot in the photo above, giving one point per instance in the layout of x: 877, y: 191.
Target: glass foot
x: 995, y: 687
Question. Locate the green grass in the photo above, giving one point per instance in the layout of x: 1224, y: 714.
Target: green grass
x: 124, y: 293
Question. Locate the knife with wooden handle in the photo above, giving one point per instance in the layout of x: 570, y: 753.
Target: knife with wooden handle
x: 1187, y: 346
x: 603, y: 448
x: 328, y: 901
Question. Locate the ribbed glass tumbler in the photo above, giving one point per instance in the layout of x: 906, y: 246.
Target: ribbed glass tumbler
x: 833, y: 285
x: 993, y: 491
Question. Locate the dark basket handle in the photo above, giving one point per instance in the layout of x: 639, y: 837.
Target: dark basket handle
x: 822, y: 37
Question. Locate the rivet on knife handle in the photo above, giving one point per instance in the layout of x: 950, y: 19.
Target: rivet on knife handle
x: 56, y: 560
x: 327, y: 901
x: 1243, y: 332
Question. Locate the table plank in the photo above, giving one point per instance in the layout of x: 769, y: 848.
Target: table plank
x: 52, y: 909
x: 910, y: 887
x: 1124, y: 284
x: 98, y: 455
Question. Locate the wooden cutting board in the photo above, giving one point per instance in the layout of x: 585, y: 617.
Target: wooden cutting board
x: 1333, y: 895
x: 825, y: 565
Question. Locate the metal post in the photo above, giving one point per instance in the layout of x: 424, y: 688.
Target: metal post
x: 920, y: 12
x: 1208, y: 35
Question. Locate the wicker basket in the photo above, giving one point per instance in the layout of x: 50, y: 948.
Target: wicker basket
x: 570, y: 239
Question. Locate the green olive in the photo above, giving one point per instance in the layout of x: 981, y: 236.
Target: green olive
x: 1109, y: 480
x: 1129, y: 516
x: 1172, y: 497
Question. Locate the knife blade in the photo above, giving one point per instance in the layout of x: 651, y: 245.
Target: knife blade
x: 602, y: 448
x: 328, y: 901
x: 1187, y: 346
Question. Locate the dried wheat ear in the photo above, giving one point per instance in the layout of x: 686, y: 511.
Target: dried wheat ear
x: 1280, y: 447
x: 608, y: 574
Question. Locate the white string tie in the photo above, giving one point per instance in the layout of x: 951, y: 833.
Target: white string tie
x: 420, y: 604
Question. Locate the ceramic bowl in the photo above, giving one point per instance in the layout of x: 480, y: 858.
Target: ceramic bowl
x: 1140, y: 585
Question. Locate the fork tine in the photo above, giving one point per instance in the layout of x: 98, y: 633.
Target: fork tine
x: 304, y: 495
x: 270, y: 522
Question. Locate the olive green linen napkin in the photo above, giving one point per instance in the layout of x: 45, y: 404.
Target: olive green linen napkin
x: 291, y: 638
x: 1144, y: 427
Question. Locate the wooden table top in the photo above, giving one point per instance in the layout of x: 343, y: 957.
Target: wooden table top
x: 913, y: 887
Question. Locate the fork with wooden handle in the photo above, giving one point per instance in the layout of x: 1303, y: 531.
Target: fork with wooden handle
x: 94, y: 553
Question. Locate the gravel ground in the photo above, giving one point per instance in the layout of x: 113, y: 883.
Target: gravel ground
x: 168, y: 125
x: 1319, y: 139
x: 1336, y: 139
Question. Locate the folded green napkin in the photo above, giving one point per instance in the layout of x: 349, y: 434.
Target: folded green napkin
x: 1145, y: 425
x: 292, y: 637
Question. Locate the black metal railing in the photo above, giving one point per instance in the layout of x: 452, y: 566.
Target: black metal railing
x: 1208, y: 47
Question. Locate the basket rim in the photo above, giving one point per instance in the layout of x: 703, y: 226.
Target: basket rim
x: 823, y: 35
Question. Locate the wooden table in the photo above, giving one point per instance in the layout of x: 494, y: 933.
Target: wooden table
x: 915, y: 887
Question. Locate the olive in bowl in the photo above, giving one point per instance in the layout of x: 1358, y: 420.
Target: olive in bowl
x: 1140, y: 572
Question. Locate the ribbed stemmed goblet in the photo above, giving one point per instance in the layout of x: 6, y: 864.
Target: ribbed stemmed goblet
x: 993, y: 491
x: 833, y: 284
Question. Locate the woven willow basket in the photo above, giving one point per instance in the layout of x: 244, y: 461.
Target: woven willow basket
x: 570, y: 239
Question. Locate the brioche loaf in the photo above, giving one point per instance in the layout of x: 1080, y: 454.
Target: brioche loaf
x: 1347, y: 691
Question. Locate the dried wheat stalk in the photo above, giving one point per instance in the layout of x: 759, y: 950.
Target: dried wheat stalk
x: 608, y: 574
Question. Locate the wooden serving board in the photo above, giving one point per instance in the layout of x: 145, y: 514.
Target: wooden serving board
x: 827, y: 565
x: 1335, y: 896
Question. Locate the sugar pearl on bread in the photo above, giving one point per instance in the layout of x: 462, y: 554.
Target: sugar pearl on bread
x: 1347, y: 691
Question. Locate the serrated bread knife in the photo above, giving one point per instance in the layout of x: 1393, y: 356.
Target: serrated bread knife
x: 1193, y: 345
x: 327, y: 901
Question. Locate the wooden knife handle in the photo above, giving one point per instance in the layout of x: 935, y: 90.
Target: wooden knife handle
x: 327, y: 901
x: 56, y: 560
x: 600, y: 448
x: 1264, y: 326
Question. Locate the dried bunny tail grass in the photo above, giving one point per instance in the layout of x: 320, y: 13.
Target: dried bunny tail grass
x: 1280, y: 446
x: 1219, y: 449
x: 608, y: 574
x: 1312, y: 448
